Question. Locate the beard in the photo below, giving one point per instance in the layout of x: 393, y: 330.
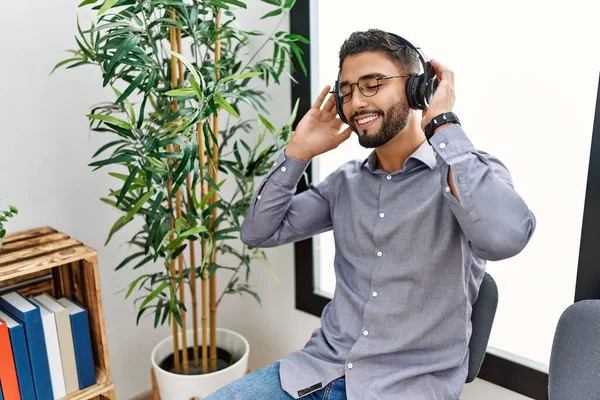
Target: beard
x: 393, y: 121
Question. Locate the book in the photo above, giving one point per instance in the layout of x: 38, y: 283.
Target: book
x: 29, y: 316
x: 65, y: 340
x: 54, y: 359
x: 21, y: 356
x: 82, y: 341
x: 8, y: 371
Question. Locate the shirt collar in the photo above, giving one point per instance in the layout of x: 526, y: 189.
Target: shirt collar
x: 424, y: 153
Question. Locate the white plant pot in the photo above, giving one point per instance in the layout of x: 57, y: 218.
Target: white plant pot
x: 173, y: 386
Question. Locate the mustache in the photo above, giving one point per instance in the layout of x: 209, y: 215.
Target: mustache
x: 365, y: 112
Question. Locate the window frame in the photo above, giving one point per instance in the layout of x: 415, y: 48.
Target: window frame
x: 495, y: 369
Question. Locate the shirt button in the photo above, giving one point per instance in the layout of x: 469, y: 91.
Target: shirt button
x: 259, y: 197
x: 442, y: 145
x: 374, y: 294
x: 379, y: 254
x: 388, y: 177
x: 366, y: 333
x: 381, y: 215
x: 283, y: 169
x: 350, y: 365
x: 447, y: 189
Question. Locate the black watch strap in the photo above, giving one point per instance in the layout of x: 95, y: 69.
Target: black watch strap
x: 438, y: 121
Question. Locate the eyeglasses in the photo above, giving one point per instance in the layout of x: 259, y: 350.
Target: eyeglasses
x: 368, y: 86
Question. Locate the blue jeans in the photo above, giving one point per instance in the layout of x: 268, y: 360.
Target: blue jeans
x: 264, y: 384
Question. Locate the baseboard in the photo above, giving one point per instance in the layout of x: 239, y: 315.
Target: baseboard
x: 147, y: 395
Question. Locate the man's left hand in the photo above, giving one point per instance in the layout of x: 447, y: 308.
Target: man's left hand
x: 443, y: 98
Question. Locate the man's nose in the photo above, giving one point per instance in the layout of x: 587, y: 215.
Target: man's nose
x: 357, y: 101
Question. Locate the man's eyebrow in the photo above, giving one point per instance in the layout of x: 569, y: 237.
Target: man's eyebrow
x: 370, y: 75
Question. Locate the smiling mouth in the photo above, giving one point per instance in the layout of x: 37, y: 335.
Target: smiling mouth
x: 362, y: 121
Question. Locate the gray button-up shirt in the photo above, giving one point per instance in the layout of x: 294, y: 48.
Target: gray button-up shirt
x: 409, y: 260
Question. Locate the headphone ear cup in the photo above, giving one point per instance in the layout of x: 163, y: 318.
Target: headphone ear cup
x: 413, y: 91
x: 339, y: 107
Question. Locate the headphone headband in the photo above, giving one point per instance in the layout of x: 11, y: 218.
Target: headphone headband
x: 420, y: 87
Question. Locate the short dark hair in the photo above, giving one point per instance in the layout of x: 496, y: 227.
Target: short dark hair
x: 377, y: 40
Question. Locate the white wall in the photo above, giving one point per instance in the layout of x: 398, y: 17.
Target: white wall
x: 45, y: 147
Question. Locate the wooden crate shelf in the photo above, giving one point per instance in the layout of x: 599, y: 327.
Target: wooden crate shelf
x: 43, y: 260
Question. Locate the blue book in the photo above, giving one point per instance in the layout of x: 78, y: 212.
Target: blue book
x: 82, y: 342
x: 20, y: 355
x: 29, y: 316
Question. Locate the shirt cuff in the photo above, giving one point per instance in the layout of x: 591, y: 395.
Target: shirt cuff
x: 287, y: 170
x: 451, y: 142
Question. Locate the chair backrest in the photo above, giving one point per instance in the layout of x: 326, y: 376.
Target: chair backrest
x: 482, y: 318
x: 574, y: 371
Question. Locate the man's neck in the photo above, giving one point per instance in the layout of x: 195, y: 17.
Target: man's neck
x: 392, y: 155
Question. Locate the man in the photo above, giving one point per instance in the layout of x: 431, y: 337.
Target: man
x: 414, y: 224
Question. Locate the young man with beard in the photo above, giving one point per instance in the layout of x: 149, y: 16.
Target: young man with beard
x: 414, y: 224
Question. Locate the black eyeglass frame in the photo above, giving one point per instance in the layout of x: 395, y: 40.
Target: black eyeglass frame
x: 339, y: 94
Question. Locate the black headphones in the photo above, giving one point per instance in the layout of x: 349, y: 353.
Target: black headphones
x: 420, y: 87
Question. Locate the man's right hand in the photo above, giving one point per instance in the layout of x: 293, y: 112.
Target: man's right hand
x: 318, y: 131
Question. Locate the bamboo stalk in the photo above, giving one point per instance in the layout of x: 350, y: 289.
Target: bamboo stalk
x: 174, y: 108
x: 173, y: 275
x: 176, y: 78
x: 203, y: 249
x: 214, y: 171
x: 193, y: 284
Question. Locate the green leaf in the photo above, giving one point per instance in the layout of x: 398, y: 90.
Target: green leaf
x: 127, y: 184
x: 240, y: 76
x: 182, y: 172
x: 126, y: 260
x: 106, y: 146
x: 115, y: 228
x: 272, y: 13
x: 121, y: 52
x: 154, y: 294
x: 194, y: 231
x: 109, y: 118
x: 267, y: 124
x: 121, y: 159
x: 86, y: 2
x: 157, y: 312
x: 274, y: 2
x: 143, y: 262
x: 187, y: 63
x: 185, y: 92
x: 63, y: 62
x: 106, y: 6
x: 138, y: 205
x: 136, y: 82
x: 235, y: 3
x: 226, y: 106
x: 123, y: 177
x: 156, y: 203
x: 133, y: 284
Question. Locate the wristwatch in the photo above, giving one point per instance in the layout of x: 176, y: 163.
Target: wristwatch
x: 438, y: 121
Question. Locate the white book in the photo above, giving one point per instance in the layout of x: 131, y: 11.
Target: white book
x: 65, y: 340
x: 52, y: 345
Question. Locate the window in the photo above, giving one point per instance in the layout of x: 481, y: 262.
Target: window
x: 528, y: 95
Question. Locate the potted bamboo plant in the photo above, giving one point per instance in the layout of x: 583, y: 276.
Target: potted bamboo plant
x: 184, y: 164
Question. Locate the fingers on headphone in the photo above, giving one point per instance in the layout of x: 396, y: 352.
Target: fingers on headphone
x: 330, y: 104
x: 319, y: 101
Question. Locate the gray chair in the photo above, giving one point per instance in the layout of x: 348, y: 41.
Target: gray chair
x: 574, y: 371
x: 482, y: 319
